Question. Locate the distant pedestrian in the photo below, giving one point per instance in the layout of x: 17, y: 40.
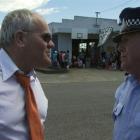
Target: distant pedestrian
x: 67, y: 60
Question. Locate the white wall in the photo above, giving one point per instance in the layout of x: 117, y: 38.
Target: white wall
x: 65, y: 43
x: 81, y: 22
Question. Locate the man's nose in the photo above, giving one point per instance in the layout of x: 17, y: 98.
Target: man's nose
x: 50, y: 44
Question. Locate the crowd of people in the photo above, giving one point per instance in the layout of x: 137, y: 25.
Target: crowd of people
x: 60, y: 59
x: 80, y: 60
x: 110, y: 60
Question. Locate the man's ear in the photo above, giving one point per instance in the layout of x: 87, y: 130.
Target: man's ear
x: 19, y: 38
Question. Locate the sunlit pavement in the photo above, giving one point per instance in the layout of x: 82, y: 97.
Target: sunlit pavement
x: 81, y: 75
x: 80, y: 104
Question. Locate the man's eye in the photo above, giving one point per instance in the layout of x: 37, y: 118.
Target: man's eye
x: 46, y: 37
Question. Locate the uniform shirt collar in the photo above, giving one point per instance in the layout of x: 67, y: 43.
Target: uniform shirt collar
x: 8, y: 67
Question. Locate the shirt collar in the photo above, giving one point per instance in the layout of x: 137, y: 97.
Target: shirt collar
x: 131, y: 78
x: 8, y: 67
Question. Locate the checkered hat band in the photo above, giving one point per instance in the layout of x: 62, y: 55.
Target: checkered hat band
x: 131, y: 22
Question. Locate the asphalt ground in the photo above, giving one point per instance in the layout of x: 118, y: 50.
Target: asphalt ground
x: 80, y: 104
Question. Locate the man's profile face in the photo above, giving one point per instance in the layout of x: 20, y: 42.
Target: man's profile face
x: 39, y: 43
x: 129, y: 47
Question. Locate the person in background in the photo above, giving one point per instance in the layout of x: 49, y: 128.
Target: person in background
x: 126, y: 112
x: 54, y: 59
x: 25, y: 42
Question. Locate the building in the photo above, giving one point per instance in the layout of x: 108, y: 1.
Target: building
x: 87, y: 34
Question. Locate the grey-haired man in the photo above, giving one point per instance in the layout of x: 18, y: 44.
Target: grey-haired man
x: 25, y: 44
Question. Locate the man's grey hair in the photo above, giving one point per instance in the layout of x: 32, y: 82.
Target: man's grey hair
x: 21, y: 19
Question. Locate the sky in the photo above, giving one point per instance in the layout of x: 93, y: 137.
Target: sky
x: 56, y: 10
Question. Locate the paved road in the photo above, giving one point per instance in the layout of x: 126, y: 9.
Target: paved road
x: 81, y: 75
x: 80, y: 104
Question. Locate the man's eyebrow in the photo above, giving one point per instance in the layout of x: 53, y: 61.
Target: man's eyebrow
x: 47, y: 35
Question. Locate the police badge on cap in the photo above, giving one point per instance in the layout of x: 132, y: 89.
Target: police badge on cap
x: 129, y: 22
